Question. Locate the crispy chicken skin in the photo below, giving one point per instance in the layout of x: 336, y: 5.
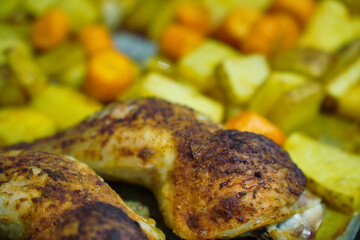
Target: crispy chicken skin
x: 210, y: 182
x: 50, y: 196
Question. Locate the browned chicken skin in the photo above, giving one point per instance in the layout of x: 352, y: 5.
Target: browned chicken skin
x: 49, y: 196
x: 210, y: 182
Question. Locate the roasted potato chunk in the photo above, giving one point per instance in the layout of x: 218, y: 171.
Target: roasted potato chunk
x: 332, y: 173
x: 157, y: 85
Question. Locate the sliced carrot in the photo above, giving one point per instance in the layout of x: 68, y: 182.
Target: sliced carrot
x: 301, y: 10
x: 290, y: 30
x: 273, y: 32
x: 253, y: 122
x: 50, y: 30
x: 194, y: 16
x: 237, y: 25
x: 95, y: 38
x: 178, y: 40
x: 109, y: 74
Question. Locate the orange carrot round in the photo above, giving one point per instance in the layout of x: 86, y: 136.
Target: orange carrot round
x: 301, y: 10
x: 253, y: 122
x: 95, y: 38
x: 237, y: 25
x: 194, y: 16
x: 109, y: 74
x: 50, y: 30
x: 273, y: 32
x: 178, y: 40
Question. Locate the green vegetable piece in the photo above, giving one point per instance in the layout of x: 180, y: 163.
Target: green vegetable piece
x: 27, y: 73
x: 334, y: 224
x: 143, y: 14
x: 12, y: 37
x: 8, y: 7
x: 160, y: 65
x: 276, y: 86
x: 296, y: 107
x: 198, y: 67
x: 81, y: 12
x: 334, y: 131
x: 57, y: 60
x: 74, y: 76
x: 220, y: 8
x: 39, y: 7
x: 139, y: 208
x: 340, y: 84
x: 10, y: 92
x: 311, y: 62
x: 349, y: 103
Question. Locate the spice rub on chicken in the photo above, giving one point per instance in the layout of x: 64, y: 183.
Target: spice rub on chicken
x: 50, y: 196
x: 210, y: 182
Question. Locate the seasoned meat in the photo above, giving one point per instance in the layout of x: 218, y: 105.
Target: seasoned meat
x: 50, y: 196
x: 210, y: 182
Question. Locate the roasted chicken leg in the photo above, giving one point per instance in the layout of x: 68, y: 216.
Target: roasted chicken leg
x: 210, y: 182
x: 49, y: 196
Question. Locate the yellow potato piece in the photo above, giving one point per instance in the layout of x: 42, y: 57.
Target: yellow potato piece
x: 297, y: 107
x: 333, y: 174
x: 331, y: 27
x: 23, y: 125
x: 242, y: 76
x: 334, y: 224
x: 198, y: 67
x: 64, y: 105
x: 157, y: 85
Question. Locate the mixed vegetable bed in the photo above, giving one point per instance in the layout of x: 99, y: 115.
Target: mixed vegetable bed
x: 289, y: 70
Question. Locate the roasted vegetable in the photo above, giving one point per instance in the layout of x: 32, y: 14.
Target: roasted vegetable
x: 109, y: 73
x: 349, y: 103
x: 301, y: 10
x: 50, y: 30
x: 198, y: 68
x: 178, y: 41
x: 275, y: 87
x: 331, y: 27
x: 253, y: 122
x: 27, y: 73
x: 334, y: 224
x: 345, y: 72
x: 8, y: 7
x: 298, y: 106
x: 23, y: 124
x: 312, y: 62
x: 65, y: 106
x: 195, y: 16
x: 335, y: 131
x: 39, y: 7
x: 271, y: 33
x: 237, y: 25
x: 80, y: 12
x: 333, y: 174
x: 95, y: 38
x: 58, y: 60
x: 156, y: 85
x: 242, y: 76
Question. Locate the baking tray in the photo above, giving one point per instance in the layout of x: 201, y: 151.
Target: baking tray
x: 131, y: 192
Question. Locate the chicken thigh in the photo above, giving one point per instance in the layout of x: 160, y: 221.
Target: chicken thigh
x: 50, y: 196
x: 210, y: 182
